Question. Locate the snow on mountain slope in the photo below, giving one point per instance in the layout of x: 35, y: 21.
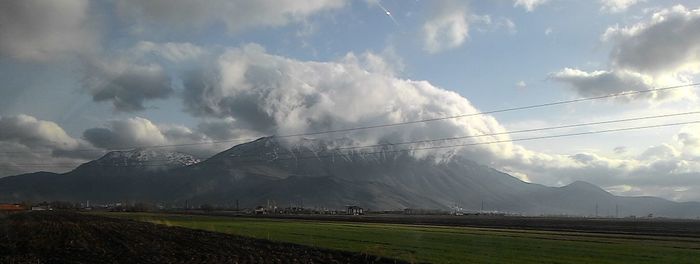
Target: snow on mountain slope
x: 145, y: 158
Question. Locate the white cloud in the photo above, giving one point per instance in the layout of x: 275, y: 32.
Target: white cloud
x: 25, y: 139
x: 529, y: 5
x: 271, y: 94
x: 663, y: 151
x: 508, y: 25
x: 689, y: 140
x: 40, y: 30
x: 548, y: 31
x: 662, y: 51
x: 31, y: 132
x: 616, y: 6
x: 447, y: 27
x: 236, y: 15
x: 670, y: 170
x: 486, y: 23
x: 127, y: 133
x: 139, y: 132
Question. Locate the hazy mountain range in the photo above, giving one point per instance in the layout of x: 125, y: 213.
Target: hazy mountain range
x: 318, y: 175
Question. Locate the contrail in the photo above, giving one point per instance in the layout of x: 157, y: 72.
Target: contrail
x: 386, y: 11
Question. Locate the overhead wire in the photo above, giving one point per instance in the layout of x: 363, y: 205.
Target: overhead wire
x: 508, y: 132
x: 628, y: 93
x: 453, y: 145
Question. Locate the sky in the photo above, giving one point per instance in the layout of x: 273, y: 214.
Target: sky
x: 103, y: 75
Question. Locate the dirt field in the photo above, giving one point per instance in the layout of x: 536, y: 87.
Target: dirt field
x: 60, y: 237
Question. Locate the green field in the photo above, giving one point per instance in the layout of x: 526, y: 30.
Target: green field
x: 447, y: 244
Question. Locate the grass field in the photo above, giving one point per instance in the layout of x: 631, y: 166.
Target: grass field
x: 447, y: 244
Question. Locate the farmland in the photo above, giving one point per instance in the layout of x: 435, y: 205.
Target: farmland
x: 448, y: 244
x: 61, y: 237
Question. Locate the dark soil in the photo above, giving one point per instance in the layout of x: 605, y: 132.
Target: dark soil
x: 63, y: 237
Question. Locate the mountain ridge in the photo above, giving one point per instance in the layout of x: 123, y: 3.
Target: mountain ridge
x: 322, y: 176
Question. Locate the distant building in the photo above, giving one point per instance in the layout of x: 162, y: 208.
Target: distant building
x: 11, y: 208
x: 354, y: 210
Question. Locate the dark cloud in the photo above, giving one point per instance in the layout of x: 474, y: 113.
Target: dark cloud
x: 235, y: 15
x: 102, y: 138
x: 599, y: 83
x: 667, y: 42
x: 663, y: 50
x: 245, y: 106
x: 40, y: 30
x: 126, y: 85
x: 225, y: 129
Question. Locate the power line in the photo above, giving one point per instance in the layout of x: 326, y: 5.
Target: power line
x: 629, y: 93
x: 499, y: 110
x: 490, y: 134
x: 461, y: 145
x: 506, y: 132
x: 521, y: 131
x: 141, y: 147
x: 67, y: 165
x: 506, y: 140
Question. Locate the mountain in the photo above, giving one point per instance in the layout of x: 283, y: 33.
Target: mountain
x: 318, y: 174
x: 113, y: 177
x: 145, y: 157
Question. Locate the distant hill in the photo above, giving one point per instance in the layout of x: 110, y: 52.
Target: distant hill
x: 318, y: 175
